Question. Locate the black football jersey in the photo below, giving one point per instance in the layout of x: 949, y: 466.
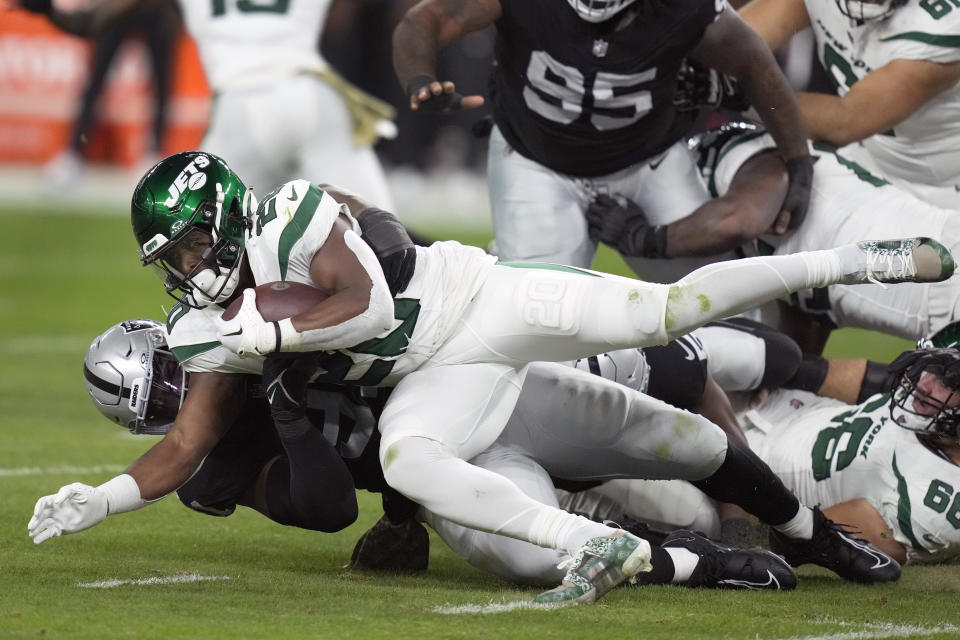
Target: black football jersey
x: 589, y: 99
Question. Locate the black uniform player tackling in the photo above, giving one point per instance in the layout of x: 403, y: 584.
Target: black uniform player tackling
x: 584, y: 104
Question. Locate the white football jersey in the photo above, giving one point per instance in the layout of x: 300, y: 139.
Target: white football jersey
x: 192, y: 338
x: 925, y: 148
x: 848, y: 204
x: 252, y: 42
x: 291, y: 225
x: 829, y: 452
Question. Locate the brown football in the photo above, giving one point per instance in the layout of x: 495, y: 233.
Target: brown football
x: 279, y: 300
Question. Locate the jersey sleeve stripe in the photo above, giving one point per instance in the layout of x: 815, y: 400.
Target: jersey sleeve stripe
x: 903, y: 508
x: 926, y: 38
x: 184, y: 353
x: 295, y: 229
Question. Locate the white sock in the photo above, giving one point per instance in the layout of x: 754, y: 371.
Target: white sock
x: 576, y: 531
x: 799, y: 526
x: 684, y: 562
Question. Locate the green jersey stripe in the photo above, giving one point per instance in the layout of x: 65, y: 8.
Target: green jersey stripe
x: 296, y: 227
x: 926, y: 38
x: 182, y: 354
x: 903, y: 507
x: 546, y: 266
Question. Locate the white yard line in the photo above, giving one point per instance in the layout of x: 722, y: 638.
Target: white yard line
x: 60, y: 469
x: 175, y: 579
x: 878, y: 631
x: 491, y: 607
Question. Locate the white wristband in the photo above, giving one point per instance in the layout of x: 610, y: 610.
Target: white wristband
x: 122, y: 493
x: 290, y: 338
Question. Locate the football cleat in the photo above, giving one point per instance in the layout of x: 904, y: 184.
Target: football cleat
x: 835, y: 548
x: 601, y: 564
x: 723, y: 567
x: 909, y: 260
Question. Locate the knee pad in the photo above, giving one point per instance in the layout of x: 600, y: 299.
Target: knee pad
x: 782, y: 356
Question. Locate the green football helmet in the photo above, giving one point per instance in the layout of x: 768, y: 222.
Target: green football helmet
x: 182, y: 195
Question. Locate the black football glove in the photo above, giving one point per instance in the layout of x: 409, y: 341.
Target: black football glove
x: 621, y: 223
x: 800, y: 176
x: 443, y: 103
x: 700, y: 86
x: 392, y: 547
x: 285, y: 379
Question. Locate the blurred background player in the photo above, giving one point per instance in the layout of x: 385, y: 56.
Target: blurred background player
x: 157, y: 23
x: 895, y: 66
x: 583, y: 104
x: 279, y: 111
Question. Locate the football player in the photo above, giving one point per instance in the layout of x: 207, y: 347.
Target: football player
x: 896, y: 67
x: 887, y: 466
x: 134, y: 380
x: 583, y: 103
x: 263, y: 64
x: 452, y: 331
x: 848, y: 204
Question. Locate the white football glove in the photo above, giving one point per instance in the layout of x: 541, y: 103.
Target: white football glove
x: 74, y: 508
x: 248, y: 334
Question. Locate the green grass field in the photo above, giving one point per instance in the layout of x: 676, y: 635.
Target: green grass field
x: 65, y: 278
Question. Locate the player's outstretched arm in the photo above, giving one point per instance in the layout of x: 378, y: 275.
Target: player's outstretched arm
x: 860, y: 515
x: 425, y: 29
x: 776, y: 21
x: 881, y: 100
x: 729, y: 45
x: 207, y: 413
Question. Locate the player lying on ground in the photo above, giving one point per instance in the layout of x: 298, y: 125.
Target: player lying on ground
x: 453, y: 331
x: 847, y: 204
x: 885, y: 466
x: 135, y: 382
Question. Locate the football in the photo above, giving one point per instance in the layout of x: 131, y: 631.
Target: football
x: 279, y: 300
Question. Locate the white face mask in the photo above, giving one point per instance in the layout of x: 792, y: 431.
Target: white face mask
x: 598, y: 10
x: 210, y: 288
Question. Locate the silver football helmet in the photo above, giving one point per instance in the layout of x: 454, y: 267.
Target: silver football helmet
x: 867, y: 10
x: 598, y: 10
x: 627, y: 366
x: 133, y: 378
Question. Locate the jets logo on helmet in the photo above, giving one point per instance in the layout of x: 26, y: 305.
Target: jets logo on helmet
x: 185, y: 198
x: 191, y: 178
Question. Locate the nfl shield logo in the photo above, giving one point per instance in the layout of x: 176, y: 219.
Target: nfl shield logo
x: 600, y: 48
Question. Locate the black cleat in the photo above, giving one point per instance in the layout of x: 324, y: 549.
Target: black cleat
x: 723, y: 567
x: 835, y: 548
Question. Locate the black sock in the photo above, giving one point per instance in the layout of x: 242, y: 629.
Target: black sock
x: 663, y: 569
x: 746, y: 481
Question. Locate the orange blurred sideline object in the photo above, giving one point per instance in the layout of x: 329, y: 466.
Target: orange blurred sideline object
x: 42, y: 73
